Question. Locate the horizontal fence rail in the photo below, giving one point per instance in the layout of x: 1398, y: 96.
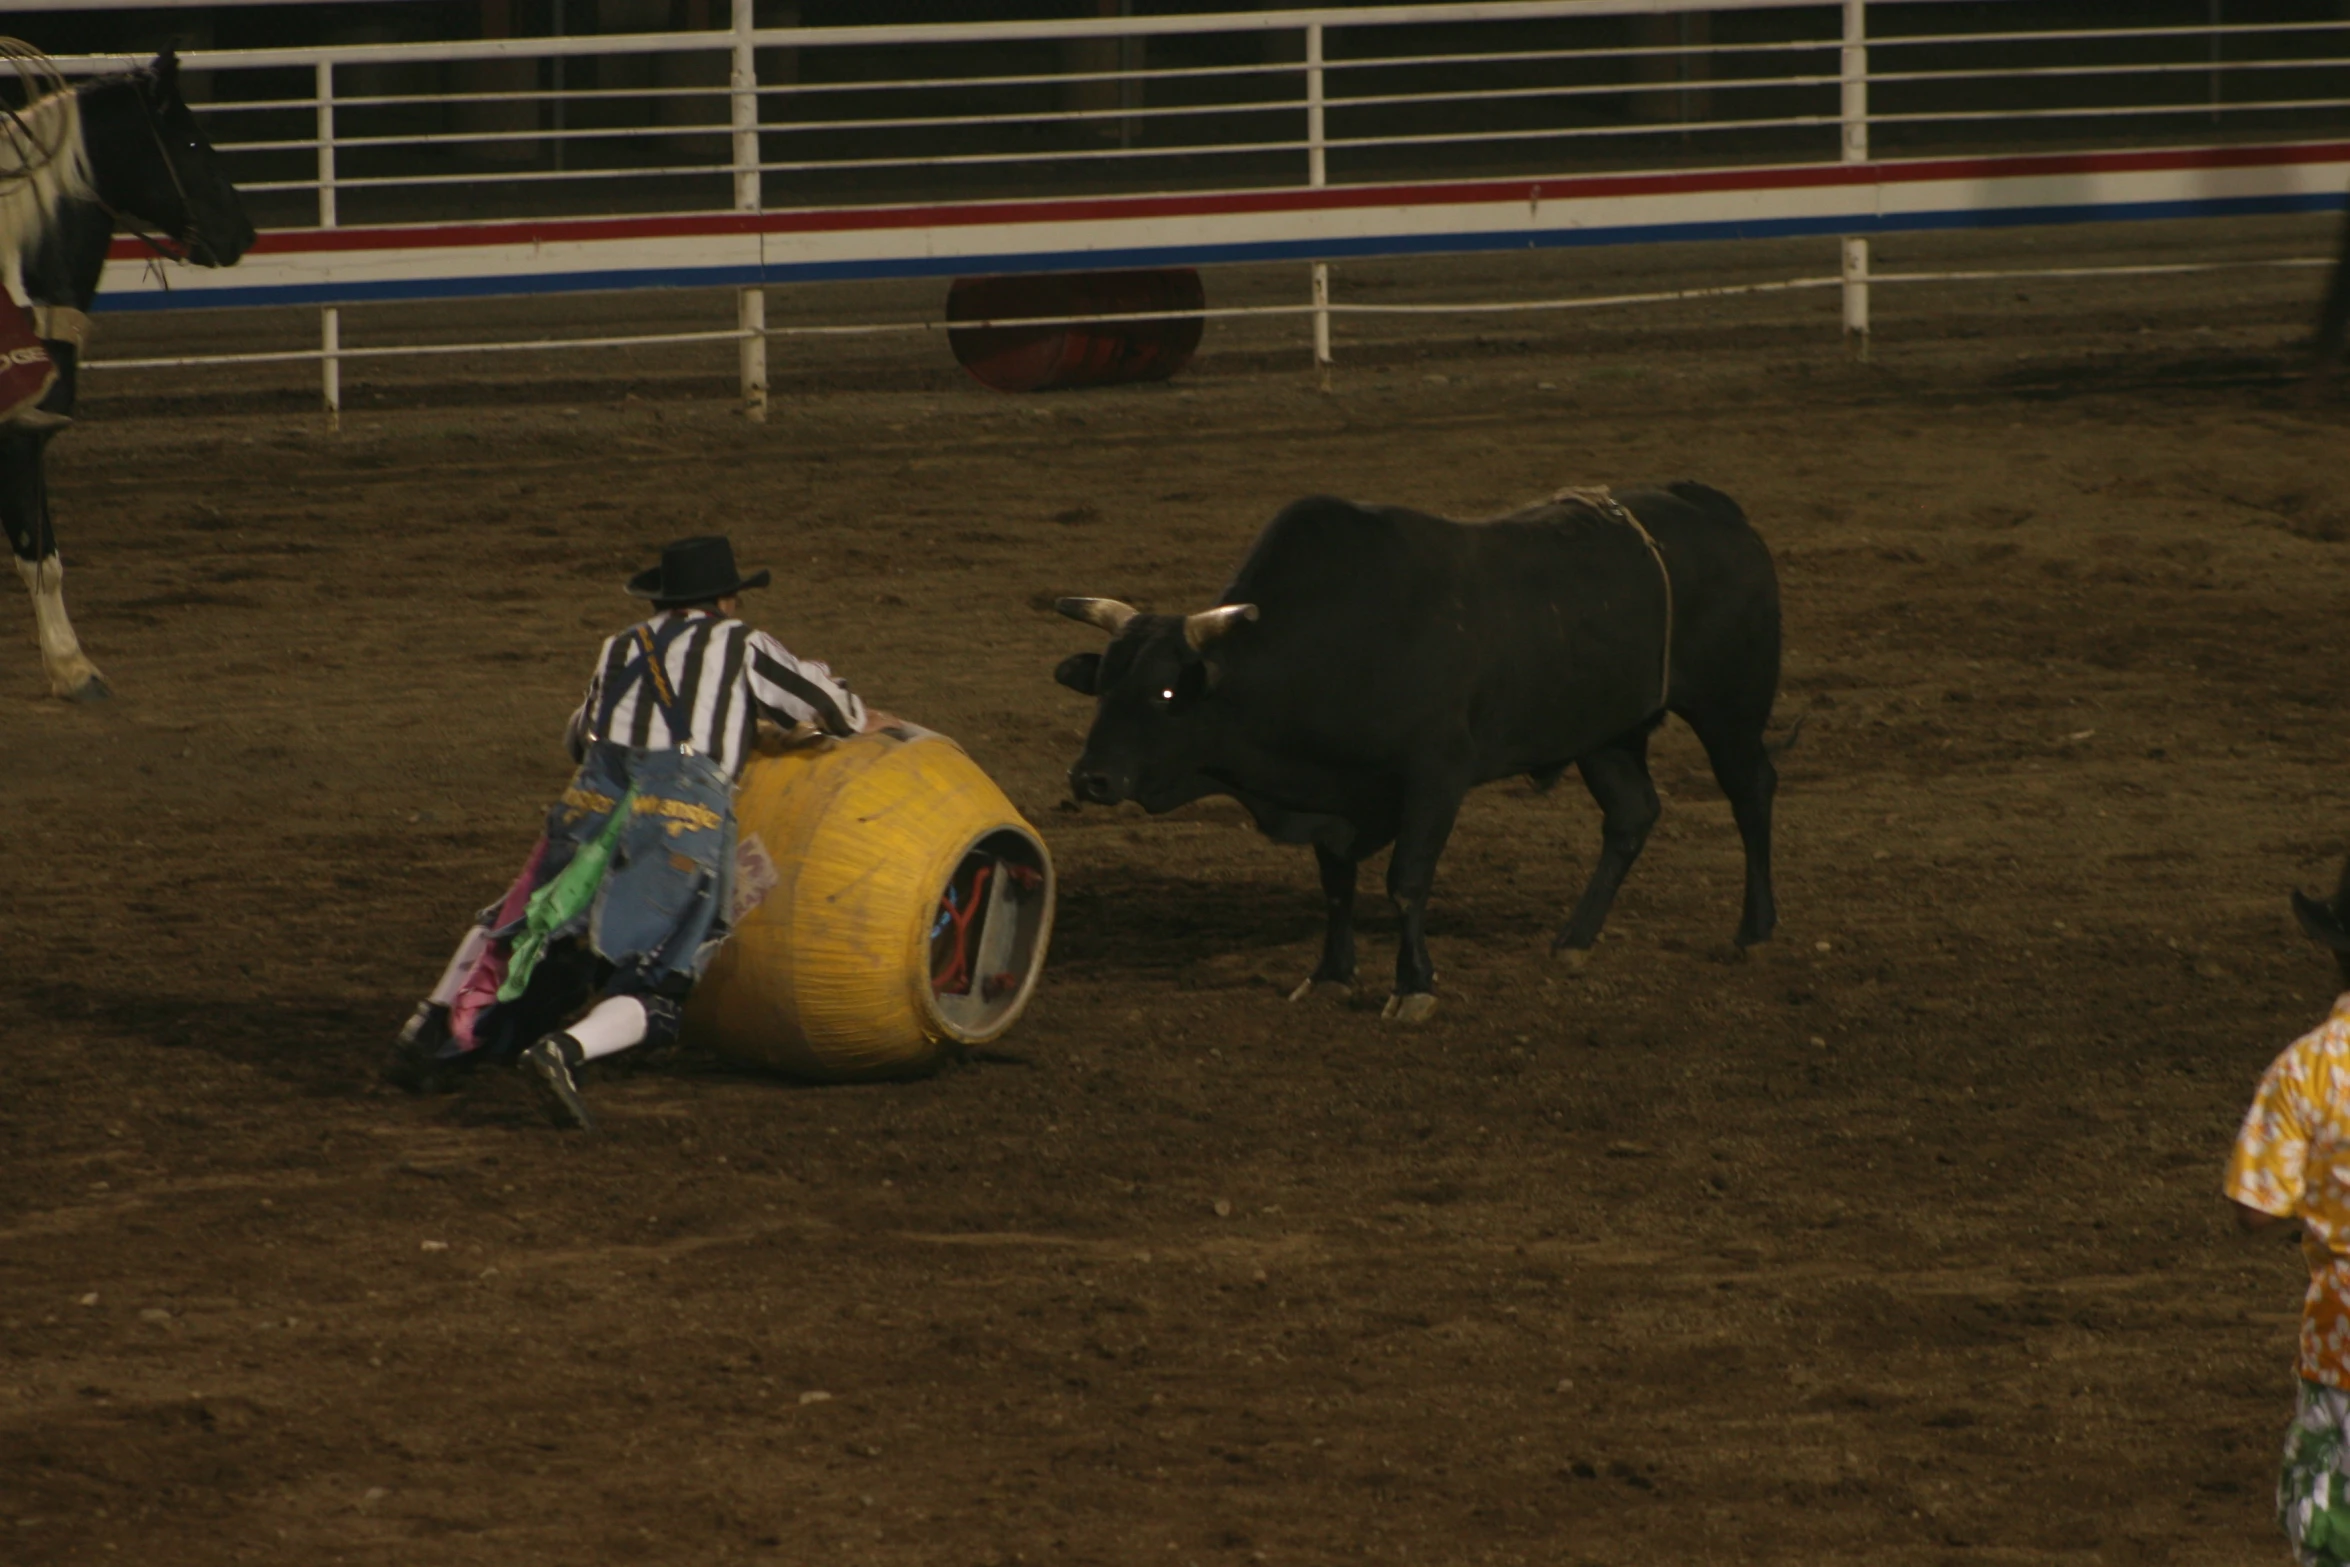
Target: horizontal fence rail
x: 753, y: 157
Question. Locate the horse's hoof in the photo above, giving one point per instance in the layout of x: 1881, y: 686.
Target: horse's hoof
x: 1576, y: 958
x: 1329, y: 989
x: 94, y: 689
x: 1417, y: 1007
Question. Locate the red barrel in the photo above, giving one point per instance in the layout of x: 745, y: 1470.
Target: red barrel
x: 1077, y: 353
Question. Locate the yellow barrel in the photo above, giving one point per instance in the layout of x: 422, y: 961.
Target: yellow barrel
x: 890, y: 906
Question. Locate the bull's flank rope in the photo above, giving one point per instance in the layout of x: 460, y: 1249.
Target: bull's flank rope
x: 1601, y: 499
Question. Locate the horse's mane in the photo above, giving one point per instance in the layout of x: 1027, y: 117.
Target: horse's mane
x: 29, y: 194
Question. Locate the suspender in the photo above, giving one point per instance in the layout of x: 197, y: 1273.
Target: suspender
x: 652, y: 667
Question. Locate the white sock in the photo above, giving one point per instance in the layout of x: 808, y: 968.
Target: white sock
x: 468, y: 953
x: 615, y: 1024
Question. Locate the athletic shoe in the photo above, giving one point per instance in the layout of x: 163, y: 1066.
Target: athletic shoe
x: 548, y: 1067
x: 416, y: 1063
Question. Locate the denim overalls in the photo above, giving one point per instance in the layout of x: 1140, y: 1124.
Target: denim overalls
x: 660, y: 913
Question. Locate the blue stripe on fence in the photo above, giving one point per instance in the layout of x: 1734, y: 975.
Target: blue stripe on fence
x: 1357, y: 248
x: 395, y: 290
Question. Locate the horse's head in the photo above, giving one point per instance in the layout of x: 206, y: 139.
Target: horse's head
x: 150, y: 161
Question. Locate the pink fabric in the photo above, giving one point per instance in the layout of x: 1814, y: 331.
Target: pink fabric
x: 479, y: 992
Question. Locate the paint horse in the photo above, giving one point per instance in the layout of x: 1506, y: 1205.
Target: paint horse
x: 119, y: 149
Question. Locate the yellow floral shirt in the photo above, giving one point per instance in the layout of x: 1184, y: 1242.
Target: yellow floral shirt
x: 2292, y: 1159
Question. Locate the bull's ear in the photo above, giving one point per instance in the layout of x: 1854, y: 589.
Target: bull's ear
x: 1081, y: 672
x: 167, y: 69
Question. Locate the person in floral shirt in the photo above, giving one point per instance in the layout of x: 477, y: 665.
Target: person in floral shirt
x: 2292, y: 1163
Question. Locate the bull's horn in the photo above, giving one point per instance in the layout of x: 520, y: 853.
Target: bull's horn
x: 1108, y: 614
x: 1205, y: 627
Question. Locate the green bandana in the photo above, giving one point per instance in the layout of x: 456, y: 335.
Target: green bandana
x: 562, y: 900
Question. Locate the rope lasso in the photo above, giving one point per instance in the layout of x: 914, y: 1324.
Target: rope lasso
x: 23, y: 155
x: 1599, y: 498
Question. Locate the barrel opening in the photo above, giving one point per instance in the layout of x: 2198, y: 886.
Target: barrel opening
x: 987, y: 933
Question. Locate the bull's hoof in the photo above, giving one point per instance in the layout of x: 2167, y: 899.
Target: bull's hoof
x: 1325, y: 989
x: 1416, y: 1007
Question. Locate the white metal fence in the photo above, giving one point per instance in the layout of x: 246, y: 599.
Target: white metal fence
x: 762, y: 156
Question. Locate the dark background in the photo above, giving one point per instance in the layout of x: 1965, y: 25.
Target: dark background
x: 1662, y: 86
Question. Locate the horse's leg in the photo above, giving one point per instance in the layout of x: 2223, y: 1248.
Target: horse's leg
x: 24, y: 511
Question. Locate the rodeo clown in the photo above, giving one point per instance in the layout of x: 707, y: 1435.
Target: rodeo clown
x: 2292, y: 1165
x: 626, y: 893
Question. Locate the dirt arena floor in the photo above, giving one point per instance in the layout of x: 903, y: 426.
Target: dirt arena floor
x: 1899, y: 1241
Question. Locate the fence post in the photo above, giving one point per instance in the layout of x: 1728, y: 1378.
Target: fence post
x: 330, y: 319
x: 750, y: 302
x: 1317, y: 174
x: 1856, y: 150
x: 2214, y: 51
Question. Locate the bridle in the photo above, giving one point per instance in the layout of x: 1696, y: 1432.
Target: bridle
x: 140, y: 82
x: 42, y: 80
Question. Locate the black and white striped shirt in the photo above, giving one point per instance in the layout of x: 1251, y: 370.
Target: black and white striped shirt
x: 726, y: 677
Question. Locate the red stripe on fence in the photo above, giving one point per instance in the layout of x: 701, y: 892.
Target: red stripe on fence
x: 572, y: 231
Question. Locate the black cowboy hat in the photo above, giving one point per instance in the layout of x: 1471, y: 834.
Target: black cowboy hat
x: 693, y: 571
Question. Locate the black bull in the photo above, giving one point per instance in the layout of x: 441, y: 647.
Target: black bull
x: 1369, y: 665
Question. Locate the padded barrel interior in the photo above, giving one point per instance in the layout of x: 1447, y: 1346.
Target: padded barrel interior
x: 986, y: 934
